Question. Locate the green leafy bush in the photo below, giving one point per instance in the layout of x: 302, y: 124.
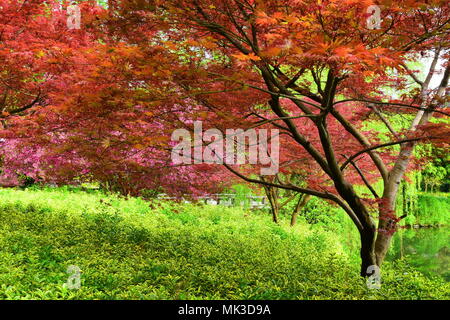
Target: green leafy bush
x: 132, y: 249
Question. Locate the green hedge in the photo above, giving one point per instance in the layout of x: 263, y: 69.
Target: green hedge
x: 128, y: 249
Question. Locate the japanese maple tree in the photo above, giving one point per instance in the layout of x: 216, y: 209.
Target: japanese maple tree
x: 320, y: 71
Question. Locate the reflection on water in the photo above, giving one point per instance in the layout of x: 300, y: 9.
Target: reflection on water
x: 428, y: 250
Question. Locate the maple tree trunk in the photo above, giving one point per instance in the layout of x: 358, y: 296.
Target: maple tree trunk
x: 386, y: 227
x: 386, y: 223
x: 367, y: 251
x: 382, y: 246
x: 272, y: 196
x: 368, y: 235
x: 300, y: 205
x: 273, y: 204
x: 366, y: 227
x: 275, y: 214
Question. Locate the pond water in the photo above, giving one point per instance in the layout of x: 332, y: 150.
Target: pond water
x: 428, y: 250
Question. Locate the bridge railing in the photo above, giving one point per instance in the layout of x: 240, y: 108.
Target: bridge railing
x: 227, y: 200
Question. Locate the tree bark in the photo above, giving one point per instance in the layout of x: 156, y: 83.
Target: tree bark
x: 300, y: 205
x: 382, y: 245
x: 275, y: 214
x: 387, y: 226
x: 272, y: 196
x: 367, y: 252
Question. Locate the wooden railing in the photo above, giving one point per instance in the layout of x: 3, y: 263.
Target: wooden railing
x: 228, y: 200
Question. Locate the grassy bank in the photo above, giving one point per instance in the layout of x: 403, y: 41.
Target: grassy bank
x: 128, y: 249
